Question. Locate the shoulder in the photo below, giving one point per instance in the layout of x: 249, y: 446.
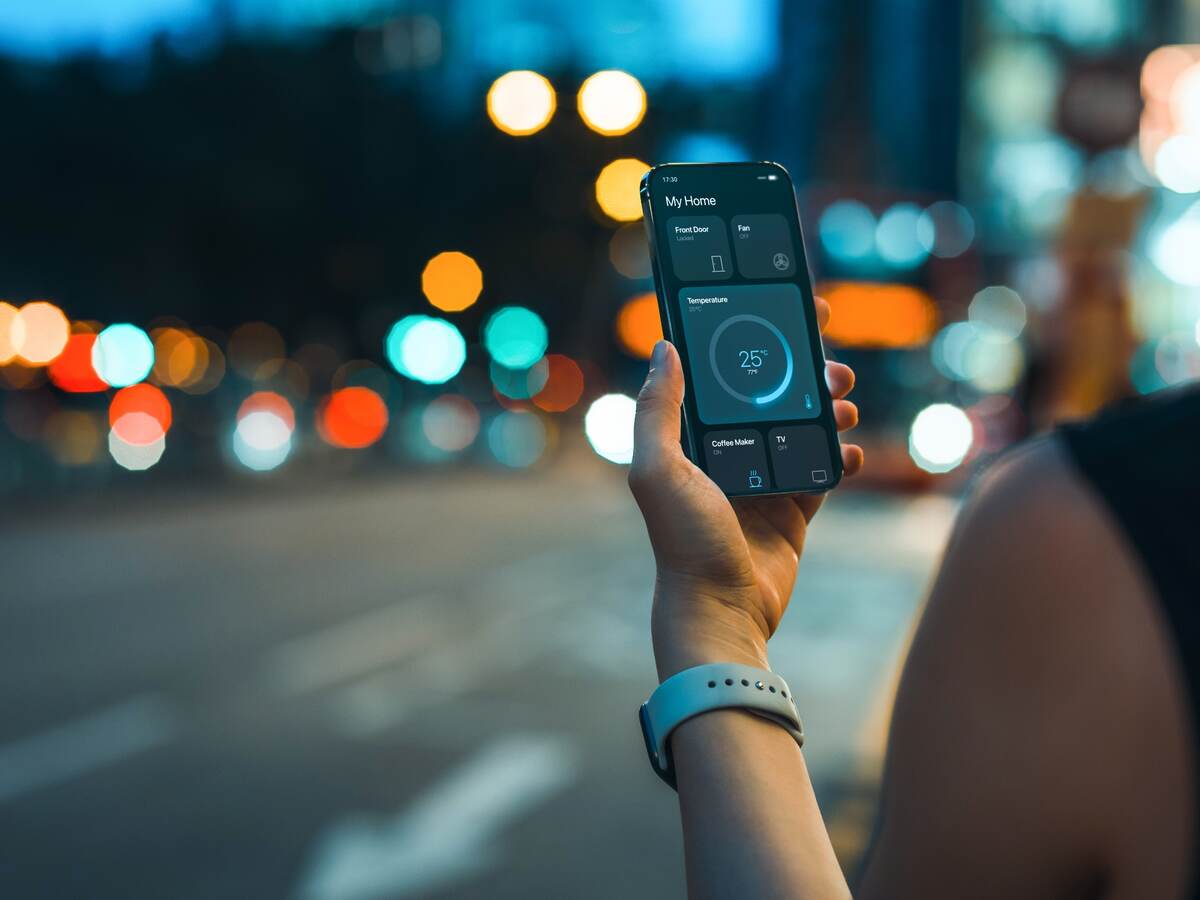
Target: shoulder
x: 1038, y: 672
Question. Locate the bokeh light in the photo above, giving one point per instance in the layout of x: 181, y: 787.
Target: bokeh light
x: 999, y: 309
x: 946, y: 229
x: 72, y: 371
x: 608, y: 425
x: 262, y: 439
x: 11, y: 333
x: 1173, y: 249
x: 352, y: 418
x: 123, y: 355
x: 515, y: 337
x: 1177, y: 163
x: 1185, y: 100
x: 136, y: 457
x: 40, y: 332
x: 638, y: 326
x: 867, y: 314
x: 130, y: 408
x: 74, y: 437
x: 519, y: 384
x: 612, y: 102
x: 847, y: 230
x: 270, y: 402
x: 426, y: 349
x: 896, y: 236
x: 181, y: 358
x: 209, y: 368
x: 629, y: 252
x: 450, y: 423
x: 256, y: 350
x: 617, y: 188
x: 521, y: 103
x: 452, y: 281
x: 940, y: 437
x: 516, y: 439
x: 988, y: 358
x: 564, y: 384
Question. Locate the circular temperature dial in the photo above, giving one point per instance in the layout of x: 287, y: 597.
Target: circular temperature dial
x: 750, y: 359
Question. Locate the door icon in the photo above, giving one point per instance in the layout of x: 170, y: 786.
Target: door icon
x: 718, y: 263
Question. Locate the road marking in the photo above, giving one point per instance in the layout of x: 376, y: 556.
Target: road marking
x: 352, y: 647
x: 76, y: 748
x: 449, y: 832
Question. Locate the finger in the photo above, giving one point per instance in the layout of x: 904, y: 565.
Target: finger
x: 823, y: 312
x: 840, y: 379
x: 852, y: 459
x: 845, y: 414
x: 656, y: 422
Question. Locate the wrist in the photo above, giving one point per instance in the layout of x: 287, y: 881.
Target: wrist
x: 696, y: 627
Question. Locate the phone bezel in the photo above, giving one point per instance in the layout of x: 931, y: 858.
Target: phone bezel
x: 673, y: 330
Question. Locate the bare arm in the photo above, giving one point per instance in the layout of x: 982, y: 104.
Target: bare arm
x: 1000, y: 768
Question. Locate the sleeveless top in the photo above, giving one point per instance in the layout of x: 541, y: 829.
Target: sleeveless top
x: 1143, y: 460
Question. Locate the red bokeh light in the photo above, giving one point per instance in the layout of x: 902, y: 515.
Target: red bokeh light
x: 72, y: 370
x: 353, y: 417
x: 564, y: 385
x: 140, y: 414
x: 268, y: 401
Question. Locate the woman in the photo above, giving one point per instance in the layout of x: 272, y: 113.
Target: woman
x: 1042, y: 739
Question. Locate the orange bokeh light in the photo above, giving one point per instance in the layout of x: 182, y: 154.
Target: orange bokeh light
x: 268, y: 401
x: 564, y: 384
x: 638, y: 325
x: 864, y: 314
x: 617, y: 189
x: 72, y: 371
x: 353, y: 417
x: 140, y: 414
x: 8, y: 338
x: 40, y: 332
x: 452, y: 281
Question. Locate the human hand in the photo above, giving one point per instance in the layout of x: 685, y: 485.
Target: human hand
x: 725, y: 567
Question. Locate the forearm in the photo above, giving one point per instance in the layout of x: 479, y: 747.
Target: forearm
x: 750, y: 819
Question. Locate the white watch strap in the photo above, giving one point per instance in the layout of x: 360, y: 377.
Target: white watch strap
x: 715, y: 686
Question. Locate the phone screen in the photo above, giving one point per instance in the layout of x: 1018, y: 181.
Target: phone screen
x: 736, y: 300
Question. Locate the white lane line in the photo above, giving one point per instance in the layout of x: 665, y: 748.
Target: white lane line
x: 449, y: 832
x: 352, y: 647
x: 76, y: 748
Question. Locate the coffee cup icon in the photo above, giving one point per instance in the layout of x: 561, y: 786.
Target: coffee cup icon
x: 755, y: 479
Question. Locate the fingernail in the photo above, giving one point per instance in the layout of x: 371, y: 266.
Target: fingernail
x: 659, y: 355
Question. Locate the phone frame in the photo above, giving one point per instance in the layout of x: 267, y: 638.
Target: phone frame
x: 673, y: 330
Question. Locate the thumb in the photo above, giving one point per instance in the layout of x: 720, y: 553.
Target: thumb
x: 656, y: 424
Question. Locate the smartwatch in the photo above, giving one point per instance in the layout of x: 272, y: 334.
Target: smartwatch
x: 705, y: 688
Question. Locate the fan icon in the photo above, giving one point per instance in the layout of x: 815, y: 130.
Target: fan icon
x: 781, y: 261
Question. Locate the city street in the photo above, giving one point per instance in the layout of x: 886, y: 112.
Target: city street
x: 417, y: 685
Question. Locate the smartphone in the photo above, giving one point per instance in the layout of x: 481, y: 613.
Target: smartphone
x: 736, y: 300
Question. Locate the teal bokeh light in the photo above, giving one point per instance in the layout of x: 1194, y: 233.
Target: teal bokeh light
x: 426, y: 349
x: 123, y: 355
x: 515, y: 337
x: 516, y: 439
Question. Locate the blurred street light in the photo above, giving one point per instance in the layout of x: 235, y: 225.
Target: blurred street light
x: 612, y: 102
x: 638, y: 325
x: 123, y: 355
x: 515, y: 337
x: 617, y: 189
x: 452, y: 281
x: 940, y: 438
x: 609, y: 427
x: 521, y: 103
x: 39, y: 332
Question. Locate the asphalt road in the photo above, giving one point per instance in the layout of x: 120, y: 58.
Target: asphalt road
x: 392, y: 687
